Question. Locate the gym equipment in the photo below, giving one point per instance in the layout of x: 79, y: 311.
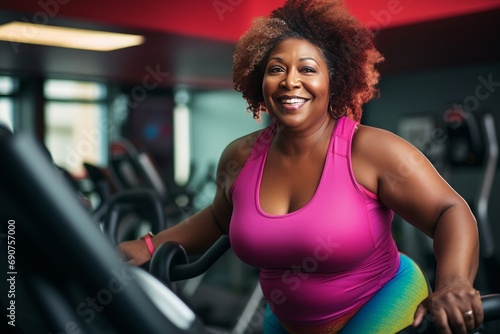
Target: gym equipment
x: 465, y: 143
x: 170, y: 264
x: 79, y: 262
x: 131, y: 169
x: 68, y: 276
x: 132, y: 197
x: 488, y: 258
x: 143, y: 202
x: 102, y: 186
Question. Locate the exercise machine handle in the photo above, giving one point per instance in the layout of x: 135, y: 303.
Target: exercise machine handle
x: 491, y: 309
x: 170, y: 263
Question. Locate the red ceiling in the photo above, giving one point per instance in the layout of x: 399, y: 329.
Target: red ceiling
x: 226, y: 20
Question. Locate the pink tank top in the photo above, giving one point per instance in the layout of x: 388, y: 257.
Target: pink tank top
x: 327, y: 258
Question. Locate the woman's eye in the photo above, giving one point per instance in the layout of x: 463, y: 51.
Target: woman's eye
x: 275, y: 69
x: 308, y: 69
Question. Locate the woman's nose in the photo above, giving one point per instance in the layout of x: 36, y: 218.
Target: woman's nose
x: 291, y: 80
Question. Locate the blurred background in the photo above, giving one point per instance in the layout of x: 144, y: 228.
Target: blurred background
x: 158, y: 93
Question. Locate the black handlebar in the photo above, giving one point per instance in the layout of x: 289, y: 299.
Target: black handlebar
x: 491, y: 309
x: 170, y: 262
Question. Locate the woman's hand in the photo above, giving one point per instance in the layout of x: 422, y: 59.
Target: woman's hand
x: 135, y: 251
x: 455, y: 307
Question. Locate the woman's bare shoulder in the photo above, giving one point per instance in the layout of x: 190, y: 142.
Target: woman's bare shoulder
x: 377, y: 141
x: 234, y: 157
x: 240, y: 148
x: 367, y: 130
x: 376, y: 152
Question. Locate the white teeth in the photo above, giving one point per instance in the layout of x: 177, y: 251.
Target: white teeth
x: 293, y: 101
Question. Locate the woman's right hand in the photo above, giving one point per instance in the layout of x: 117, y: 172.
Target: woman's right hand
x: 135, y: 251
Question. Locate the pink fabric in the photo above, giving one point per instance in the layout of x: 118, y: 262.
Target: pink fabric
x: 325, y: 259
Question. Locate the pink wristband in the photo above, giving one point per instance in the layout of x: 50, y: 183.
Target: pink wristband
x: 149, y: 243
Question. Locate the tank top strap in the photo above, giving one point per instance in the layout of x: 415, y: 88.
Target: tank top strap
x: 344, y: 130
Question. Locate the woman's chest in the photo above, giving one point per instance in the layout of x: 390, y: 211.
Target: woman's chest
x: 287, y: 186
x: 332, y: 231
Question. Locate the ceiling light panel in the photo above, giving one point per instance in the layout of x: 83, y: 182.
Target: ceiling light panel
x: 30, y: 33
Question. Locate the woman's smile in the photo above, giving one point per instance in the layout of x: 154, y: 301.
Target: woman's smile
x: 292, y: 103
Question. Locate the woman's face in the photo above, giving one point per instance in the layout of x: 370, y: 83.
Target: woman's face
x: 296, y: 83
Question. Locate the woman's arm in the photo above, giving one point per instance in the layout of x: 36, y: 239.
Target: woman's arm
x: 195, y: 234
x: 408, y: 183
x: 198, y: 232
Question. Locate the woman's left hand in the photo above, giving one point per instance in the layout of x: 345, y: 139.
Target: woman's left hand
x: 455, y: 307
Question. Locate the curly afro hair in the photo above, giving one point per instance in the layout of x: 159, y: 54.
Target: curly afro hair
x: 347, y: 46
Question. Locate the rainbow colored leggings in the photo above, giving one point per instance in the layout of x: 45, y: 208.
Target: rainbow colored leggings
x: 389, y: 311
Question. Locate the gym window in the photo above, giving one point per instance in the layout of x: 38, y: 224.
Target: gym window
x: 76, y: 124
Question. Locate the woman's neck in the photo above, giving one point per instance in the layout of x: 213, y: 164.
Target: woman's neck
x: 304, y: 143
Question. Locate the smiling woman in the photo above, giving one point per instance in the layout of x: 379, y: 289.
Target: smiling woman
x: 316, y: 176
x: 344, y: 44
x: 295, y: 63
